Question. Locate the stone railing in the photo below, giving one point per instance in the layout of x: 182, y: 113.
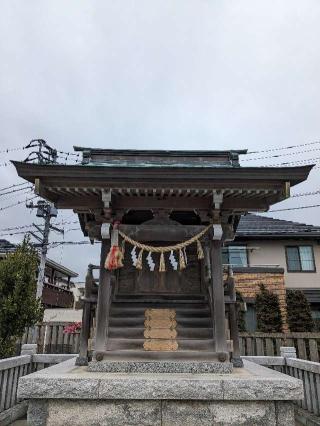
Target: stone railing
x: 11, y: 369
x: 307, y: 371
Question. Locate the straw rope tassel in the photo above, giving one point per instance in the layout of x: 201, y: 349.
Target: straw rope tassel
x: 182, y: 261
x: 162, y: 265
x: 139, y: 261
x: 200, y: 250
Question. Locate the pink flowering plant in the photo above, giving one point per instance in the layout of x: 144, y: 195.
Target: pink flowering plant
x: 73, y: 328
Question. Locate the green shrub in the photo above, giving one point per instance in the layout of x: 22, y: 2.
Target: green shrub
x: 299, y: 312
x: 19, y: 307
x: 268, y: 312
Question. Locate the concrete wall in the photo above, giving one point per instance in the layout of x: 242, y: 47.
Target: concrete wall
x: 273, y: 253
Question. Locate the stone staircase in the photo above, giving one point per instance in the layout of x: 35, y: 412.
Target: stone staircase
x: 194, y: 327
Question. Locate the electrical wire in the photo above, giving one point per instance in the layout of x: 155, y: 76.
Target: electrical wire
x: 283, y: 148
x: 280, y: 155
x: 12, y: 149
x: 315, y: 159
x: 19, y: 233
x: 69, y: 153
x: 14, y: 228
x: 13, y: 186
x: 305, y: 194
x: 16, y: 190
x: 294, y: 208
x: 19, y: 202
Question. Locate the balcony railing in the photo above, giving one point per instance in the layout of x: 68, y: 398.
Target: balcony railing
x: 57, y: 297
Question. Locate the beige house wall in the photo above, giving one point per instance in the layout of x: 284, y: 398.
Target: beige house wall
x: 273, y: 253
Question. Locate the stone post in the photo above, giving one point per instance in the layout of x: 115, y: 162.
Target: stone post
x: 288, y: 352
x: 29, y: 349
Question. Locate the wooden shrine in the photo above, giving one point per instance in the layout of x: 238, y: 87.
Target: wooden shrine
x: 160, y: 199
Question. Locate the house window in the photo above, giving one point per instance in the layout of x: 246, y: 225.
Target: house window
x: 300, y: 259
x: 235, y: 256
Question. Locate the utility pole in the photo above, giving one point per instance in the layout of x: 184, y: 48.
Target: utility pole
x: 46, y: 211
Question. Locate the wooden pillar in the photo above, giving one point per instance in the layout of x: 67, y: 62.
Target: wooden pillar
x: 218, y: 300
x: 234, y: 332
x: 104, y: 294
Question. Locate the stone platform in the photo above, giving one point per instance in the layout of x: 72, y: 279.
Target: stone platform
x: 66, y: 394
x: 160, y: 366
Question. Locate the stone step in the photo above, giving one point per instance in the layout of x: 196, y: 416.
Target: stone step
x: 181, y: 312
x: 137, y: 355
x: 160, y: 366
x: 183, y: 332
x: 161, y: 305
x: 162, y: 302
x: 161, y: 297
x: 139, y: 322
x: 115, y: 344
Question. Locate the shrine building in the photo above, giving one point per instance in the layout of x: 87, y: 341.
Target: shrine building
x: 162, y: 218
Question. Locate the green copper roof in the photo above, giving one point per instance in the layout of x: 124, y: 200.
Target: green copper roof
x: 158, y: 158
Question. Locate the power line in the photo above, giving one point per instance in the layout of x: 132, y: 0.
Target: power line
x: 73, y: 243
x: 16, y: 190
x: 13, y: 186
x: 280, y: 155
x: 16, y: 204
x: 294, y: 208
x: 69, y: 153
x: 73, y: 229
x: 12, y: 149
x: 294, y: 162
x: 10, y: 197
x: 18, y: 227
x: 305, y: 194
x: 283, y: 148
x: 17, y: 233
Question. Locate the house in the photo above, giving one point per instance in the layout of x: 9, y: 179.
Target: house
x: 279, y: 254
x: 58, y: 284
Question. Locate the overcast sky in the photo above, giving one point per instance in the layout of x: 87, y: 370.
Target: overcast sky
x: 158, y: 74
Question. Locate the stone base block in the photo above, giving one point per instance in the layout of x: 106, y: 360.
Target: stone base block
x: 67, y: 394
x: 159, y: 413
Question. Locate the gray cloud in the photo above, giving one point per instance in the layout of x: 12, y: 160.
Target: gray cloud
x: 140, y: 74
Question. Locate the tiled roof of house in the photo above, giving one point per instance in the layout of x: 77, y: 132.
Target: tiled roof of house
x: 6, y: 246
x: 252, y: 226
